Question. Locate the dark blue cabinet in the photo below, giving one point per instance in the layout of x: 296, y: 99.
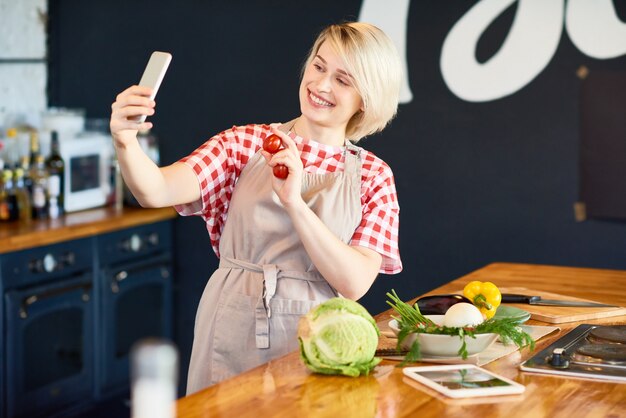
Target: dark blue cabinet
x: 2, y: 353
x: 135, y: 288
x: 48, y: 328
x: 49, y: 347
x: 70, y: 313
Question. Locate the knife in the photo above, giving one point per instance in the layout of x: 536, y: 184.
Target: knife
x: 538, y: 300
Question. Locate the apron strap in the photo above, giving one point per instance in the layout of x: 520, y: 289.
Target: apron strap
x: 353, y: 162
x: 263, y: 311
x: 271, y: 274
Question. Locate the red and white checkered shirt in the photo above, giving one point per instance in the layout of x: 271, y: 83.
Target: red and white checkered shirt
x: 219, y: 162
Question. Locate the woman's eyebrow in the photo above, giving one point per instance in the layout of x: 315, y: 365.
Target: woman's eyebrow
x: 339, y: 70
x: 321, y: 59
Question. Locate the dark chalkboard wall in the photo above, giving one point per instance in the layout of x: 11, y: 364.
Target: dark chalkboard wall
x: 477, y: 182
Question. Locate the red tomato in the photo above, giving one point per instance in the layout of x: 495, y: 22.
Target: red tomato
x: 281, y: 171
x: 272, y: 144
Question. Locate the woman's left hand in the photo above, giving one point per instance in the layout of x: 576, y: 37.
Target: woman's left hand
x: 289, y: 190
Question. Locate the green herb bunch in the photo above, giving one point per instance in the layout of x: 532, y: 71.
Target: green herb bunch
x: 411, y: 321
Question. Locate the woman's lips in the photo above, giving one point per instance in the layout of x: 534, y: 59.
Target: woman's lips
x: 318, y: 101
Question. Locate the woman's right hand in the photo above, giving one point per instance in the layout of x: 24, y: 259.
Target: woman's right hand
x: 128, y: 107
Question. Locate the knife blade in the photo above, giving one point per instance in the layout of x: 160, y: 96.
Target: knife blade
x: 538, y: 300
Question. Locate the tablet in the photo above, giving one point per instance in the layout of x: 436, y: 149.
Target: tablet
x: 463, y: 380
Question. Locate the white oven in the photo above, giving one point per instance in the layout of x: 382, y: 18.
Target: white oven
x: 87, y: 158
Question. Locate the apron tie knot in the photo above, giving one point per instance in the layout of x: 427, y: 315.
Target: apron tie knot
x: 270, y: 274
x: 263, y: 310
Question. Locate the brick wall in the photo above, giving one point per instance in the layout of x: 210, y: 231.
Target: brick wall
x: 23, y: 71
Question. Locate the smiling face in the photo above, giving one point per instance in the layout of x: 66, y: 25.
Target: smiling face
x: 328, y: 97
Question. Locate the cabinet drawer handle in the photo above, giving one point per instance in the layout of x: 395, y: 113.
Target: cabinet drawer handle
x: 29, y: 301
x: 132, y: 244
x: 153, y: 239
x: 69, y: 258
x: 46, y: 264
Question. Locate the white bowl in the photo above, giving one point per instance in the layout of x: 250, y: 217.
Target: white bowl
x: 440, y: 345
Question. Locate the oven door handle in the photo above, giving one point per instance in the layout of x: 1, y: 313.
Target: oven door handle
x: 29, y: 301
x: 117, y: 278
x: 124, y: 274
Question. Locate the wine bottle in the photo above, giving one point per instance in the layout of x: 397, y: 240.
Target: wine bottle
x: 34, y: 146
x: 56, y: 174
x: 39, y: 177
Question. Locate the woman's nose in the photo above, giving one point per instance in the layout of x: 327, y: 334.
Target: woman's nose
x: 324, y: 83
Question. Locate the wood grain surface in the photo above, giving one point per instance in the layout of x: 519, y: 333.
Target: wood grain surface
x: 286, y: 388
x: 561, y: 314
x: 15, y: 236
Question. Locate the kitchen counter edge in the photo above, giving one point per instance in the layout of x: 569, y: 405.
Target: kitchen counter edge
x: 18, y: 236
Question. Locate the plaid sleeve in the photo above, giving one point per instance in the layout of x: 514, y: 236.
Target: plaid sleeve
x: 217, y: 164
x: 379, y: 225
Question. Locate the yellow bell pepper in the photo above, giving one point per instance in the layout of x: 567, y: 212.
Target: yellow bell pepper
x: 485, y: 296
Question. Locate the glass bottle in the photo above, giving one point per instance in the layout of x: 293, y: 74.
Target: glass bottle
x: 28, y: 181
x: 150, y: 145
x: 39, y: 177
x: 56, y: 174
x: 5, y: 210
x: 11, y: 198
x: 22, y: 195
x: 13, y: 158
x: 154, y: 373
x: 34, y: 146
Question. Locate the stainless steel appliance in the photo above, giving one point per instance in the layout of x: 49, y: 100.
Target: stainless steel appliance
x: 588, y: 351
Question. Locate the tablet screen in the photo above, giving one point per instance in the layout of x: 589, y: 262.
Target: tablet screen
x: 463, y: 378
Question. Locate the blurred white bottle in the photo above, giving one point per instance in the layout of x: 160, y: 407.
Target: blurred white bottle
x: 154, y: 377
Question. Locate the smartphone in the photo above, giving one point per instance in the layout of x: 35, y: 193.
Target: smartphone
x: 154, y: 73
x: 463, y: 380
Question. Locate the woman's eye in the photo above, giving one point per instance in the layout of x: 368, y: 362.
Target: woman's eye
x: 343, y: 82
x: 318, y: 67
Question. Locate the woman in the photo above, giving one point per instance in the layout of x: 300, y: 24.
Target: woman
x: 284, y: 245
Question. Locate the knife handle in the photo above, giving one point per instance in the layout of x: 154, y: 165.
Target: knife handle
x: 513, y: 298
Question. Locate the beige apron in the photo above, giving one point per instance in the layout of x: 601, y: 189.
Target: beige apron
x: 250, y: 308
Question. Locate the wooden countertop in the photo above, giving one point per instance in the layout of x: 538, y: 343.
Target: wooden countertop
x: 286, y: 388
x: 16, y: 236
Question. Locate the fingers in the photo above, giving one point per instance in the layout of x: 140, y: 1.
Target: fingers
x: 130, y: 112
x: 129, y: 106
x: 138, y: 91
x: 130, y: 97
x: 123, y: 124
x: 287, y: 158
x: 124, y: 101
x: 267, y: 156
x: 275, y: 159
x: 287, y: 141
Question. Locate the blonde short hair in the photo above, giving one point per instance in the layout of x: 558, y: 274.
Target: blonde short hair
x: 372, y: 60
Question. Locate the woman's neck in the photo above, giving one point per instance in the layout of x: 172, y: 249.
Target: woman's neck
x: 326, y: 135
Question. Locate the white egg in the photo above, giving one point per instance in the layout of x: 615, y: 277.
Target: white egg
x: 462, y: 315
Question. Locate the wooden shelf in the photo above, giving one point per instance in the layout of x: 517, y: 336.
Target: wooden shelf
x: 17, y: 236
